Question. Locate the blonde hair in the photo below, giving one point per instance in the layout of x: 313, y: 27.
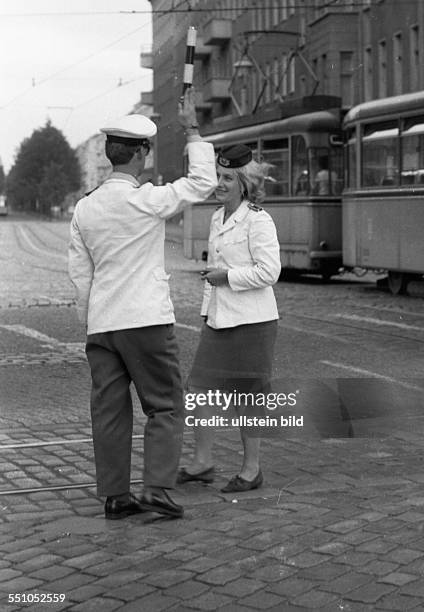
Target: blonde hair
x: 252, y: 178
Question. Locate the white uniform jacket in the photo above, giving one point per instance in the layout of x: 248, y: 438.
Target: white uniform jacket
x: 116, y: 253
x: 247, y: 246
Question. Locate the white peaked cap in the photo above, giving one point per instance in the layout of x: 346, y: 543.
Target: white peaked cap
x: 131, y: 126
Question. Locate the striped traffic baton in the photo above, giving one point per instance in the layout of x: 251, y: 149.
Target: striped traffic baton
x: 189, y: 59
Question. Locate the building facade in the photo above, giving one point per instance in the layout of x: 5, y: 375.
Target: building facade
x: 253, y: 56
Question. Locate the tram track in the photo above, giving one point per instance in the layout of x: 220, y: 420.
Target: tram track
x: 34, y: 252
x: 59, y: 487
x: 361, y: 328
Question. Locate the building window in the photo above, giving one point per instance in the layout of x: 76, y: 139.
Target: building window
x: 382, y: 69
x: 260, y: 18
x: 275, y: 13
x: 368, y: 93
x: 283, y: 9
x: 324, y: 73
x: 275, y: 79
x: 367, y: 28
x: 283, y: 78
x: 255, y: 16
x: 292, y: 75
x: 268, y: 86
x: 268, y: 15
x: 414, y: 52
x: 254, y: 87
x: 397, y: 63
x: 292, y: 7
x: 346, y: 78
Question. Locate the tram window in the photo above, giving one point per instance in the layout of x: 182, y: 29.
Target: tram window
x: 276, y: 153
x: 336, y: 167
x: 326, y: 170
x: 278, y: 143
x: 300, y: 170
x: 351, y: 160
x: 413, y: 152
x: 380, y: 161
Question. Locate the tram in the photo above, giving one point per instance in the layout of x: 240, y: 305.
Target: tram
x: 383, y: 198
x: 303, y: 190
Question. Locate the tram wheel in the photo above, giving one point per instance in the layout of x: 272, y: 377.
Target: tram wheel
x: 289, y: 275
x: 398, y: 282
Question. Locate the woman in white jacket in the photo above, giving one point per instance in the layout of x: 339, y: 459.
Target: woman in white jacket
x: 236, y: 347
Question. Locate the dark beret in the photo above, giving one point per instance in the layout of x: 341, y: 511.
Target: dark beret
x: 234, y: 156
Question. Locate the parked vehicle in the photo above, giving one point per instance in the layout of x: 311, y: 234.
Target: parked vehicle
x: 383, y: 200
x: 306, y: 210
x: 368, y: 216
x: 4, y: 209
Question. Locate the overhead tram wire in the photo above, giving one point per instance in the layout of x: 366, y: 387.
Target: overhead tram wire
x: 105, y: 93
x: 298, y: 5
x: 77, y: 63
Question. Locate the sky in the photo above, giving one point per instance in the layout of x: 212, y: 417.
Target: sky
x: 76, y: 63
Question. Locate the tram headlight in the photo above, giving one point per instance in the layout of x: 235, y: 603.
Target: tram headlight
x: 323, y: 245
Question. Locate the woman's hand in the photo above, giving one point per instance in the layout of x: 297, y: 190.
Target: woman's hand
x: 215, y: 276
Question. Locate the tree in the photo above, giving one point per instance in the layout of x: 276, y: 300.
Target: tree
x: 45, y: 170
x: 2, y: 179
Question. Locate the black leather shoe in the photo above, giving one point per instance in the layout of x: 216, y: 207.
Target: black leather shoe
x: 115, y: 509
x: 239, y: 484
x: 207, y: 476
x: 162, y: 504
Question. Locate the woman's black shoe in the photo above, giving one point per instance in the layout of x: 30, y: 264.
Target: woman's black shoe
x: 239, y: 484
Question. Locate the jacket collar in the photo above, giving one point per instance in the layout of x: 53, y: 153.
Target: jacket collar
x: 123, y: 176
x: 238, y: 215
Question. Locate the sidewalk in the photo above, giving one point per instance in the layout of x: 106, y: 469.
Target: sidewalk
x: 338, y: 525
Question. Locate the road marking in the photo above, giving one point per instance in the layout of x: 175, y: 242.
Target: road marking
x: 43, y: 251
x: 190, y: 327
x: 371, y: 374
x: 50, y: 299
x: 330, y: 336
x: 32, y: 333
x: 46, y: 340
x: 378, y: 322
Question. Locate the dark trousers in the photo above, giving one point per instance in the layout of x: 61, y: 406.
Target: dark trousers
x: 147, y: 356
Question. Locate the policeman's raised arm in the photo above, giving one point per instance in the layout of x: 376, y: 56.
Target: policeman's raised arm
x: 187, y: 116
x: 166, y: 200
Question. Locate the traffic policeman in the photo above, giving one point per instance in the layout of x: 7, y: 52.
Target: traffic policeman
x: 116, y: 262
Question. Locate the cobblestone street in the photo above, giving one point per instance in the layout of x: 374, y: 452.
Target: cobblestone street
x: 338, y: 524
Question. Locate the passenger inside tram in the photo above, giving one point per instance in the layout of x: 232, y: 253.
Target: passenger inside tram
x: 325, y: 181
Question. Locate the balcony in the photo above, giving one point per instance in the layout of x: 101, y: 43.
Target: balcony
x: 201, y: 104
x: 216, y: 89
x: 146, y: 59
x: 201, y: 51
x: 217, y: 32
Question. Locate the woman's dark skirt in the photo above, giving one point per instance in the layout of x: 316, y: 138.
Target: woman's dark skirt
x: 235, y: 358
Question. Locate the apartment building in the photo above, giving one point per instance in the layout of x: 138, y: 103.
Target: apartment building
x: 253, y: 57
